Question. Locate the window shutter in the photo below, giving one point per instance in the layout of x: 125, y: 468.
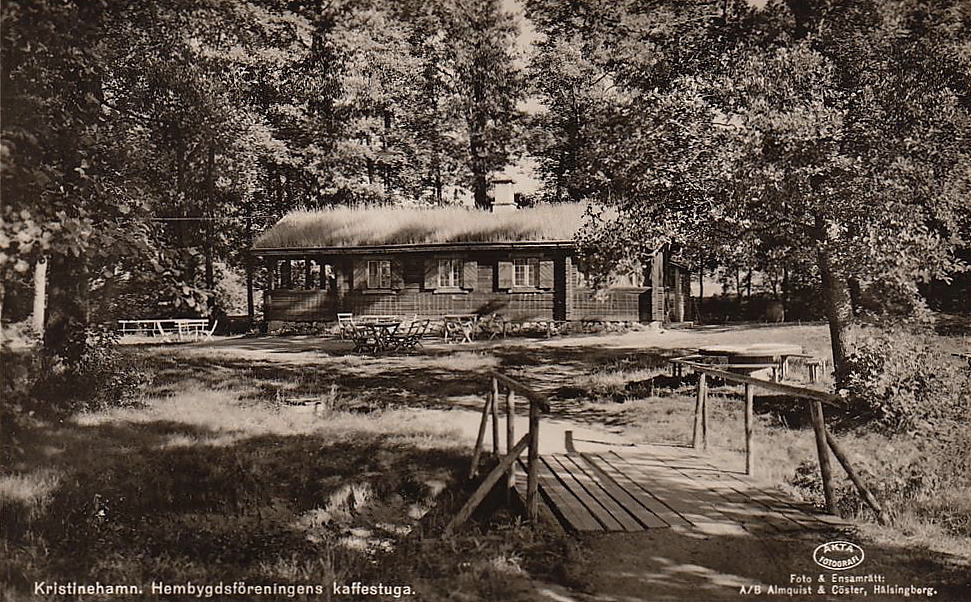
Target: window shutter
x: 505, y: 275
x: 397, y: 274
x: 470, y: 274
x: 286, y: 274
x: 546, y: 274
x: 359, y: 282
x: 431, y: 274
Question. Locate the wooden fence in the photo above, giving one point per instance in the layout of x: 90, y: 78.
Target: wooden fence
x: 507, y: 464
x: 816, y: 399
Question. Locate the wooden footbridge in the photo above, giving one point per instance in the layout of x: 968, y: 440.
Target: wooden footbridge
x: 662, y: 487
x: 657, y: 486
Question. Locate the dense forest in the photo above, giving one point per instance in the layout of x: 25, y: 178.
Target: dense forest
x: 822, y: 143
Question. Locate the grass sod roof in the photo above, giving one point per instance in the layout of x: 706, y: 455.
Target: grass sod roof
x: 379, y: 226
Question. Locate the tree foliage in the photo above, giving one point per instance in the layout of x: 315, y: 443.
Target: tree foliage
x: 833, y: 134
x: 144, y: 143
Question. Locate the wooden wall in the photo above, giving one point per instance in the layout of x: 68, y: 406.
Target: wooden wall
x: 484, y: 298
x: 565, y: 300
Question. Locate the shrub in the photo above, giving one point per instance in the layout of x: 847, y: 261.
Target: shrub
x: 102, y: 376
x: 906, y: 382
x: 929, y: 480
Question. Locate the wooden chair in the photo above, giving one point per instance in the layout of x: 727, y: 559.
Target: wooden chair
x: 365, y: 339
x: 494, y: 326
x: 412, y: 336
x: 345, y: 324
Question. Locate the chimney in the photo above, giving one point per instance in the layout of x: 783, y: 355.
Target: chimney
x: 503, y: 195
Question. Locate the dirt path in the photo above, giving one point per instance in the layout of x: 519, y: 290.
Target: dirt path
x: 661, y: 565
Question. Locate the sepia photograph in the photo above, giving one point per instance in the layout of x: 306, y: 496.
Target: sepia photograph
x: 485, y: 300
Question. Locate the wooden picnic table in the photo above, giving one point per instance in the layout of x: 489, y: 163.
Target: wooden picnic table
x: 755, y: 357
x: 460, y: 325
x: 182, y: 328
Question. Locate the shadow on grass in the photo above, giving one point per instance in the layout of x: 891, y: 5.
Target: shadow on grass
x: 170, y: 501
x: 660, y: 564
x: 300, y: 370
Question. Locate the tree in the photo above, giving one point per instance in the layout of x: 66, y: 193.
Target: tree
x: 581, y: 96
x: 62, y: 194
x: 836, y: 134
x: 114, y: 118
x: 486, y: 84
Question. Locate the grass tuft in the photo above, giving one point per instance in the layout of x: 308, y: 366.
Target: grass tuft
x: 350, y: 226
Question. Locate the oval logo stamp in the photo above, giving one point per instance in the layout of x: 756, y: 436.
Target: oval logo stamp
x: 838, y: 555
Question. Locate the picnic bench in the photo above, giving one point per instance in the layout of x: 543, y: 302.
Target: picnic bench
x: 181, y: 328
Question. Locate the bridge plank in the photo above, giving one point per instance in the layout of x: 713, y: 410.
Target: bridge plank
x: 775, y: 508
x: 631, y: 492
x: 796, y: 514
x: 772, y: 516
x: 602, y: 515
x: 562, y: 502
x: 667, y: 459
x: 641, y: 493
x: 601, y: 490
x: 698, y: 506
x: 645, y: 508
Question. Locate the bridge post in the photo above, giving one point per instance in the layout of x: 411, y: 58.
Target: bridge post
x: 822, y: 449
x: 532, y: 501
x: 474, y: 468
x: 749, y: 427
x: 495, y: 417
x: 700, y: 436
x: 510, y: 441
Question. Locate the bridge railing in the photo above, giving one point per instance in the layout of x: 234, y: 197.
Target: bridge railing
x: 507, y: 463
x: 815, y: 399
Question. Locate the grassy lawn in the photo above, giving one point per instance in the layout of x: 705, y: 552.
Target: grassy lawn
x: 292, y: 467
x: 292, y: 461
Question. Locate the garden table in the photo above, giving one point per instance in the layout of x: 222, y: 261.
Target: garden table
x: 755, y: 357
x: 375, y: 336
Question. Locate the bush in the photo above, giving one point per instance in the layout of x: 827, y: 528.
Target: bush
x: 929, y: 480
x: 904, y: 381
x: 101, y: 378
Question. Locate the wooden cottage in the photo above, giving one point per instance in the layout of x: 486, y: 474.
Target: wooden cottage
x: 519, y: 263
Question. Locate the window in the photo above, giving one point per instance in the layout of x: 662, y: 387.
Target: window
x: 379, y: 274
x: 450, y: 273
x: 525, y: 273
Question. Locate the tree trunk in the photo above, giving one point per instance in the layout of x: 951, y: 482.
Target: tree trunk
x: 250, y: 307
x: 67, y: 318
x: 481, y: 191
x: 853, y: 285
x: 439, y: 193
x: 3, y: 292
x: 210, y: 193
x: 839, y: 312
x: 40, y: 295
x: 480, y: 184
